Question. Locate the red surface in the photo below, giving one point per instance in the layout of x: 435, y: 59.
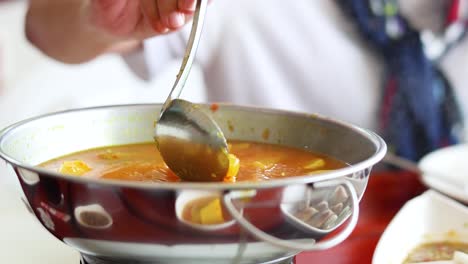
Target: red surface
x: 386, y: 193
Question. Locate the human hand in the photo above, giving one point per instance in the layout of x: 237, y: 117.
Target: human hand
x: 76, y: 31
x: 140, y: 19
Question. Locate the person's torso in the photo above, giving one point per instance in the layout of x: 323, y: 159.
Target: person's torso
x: 302, y: 55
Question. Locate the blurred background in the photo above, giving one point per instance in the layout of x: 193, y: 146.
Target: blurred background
x: 32, y: 84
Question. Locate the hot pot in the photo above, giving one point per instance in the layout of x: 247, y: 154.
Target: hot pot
x: 122, y: 222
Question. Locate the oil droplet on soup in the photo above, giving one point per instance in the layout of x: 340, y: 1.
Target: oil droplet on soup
x: 142, y: 162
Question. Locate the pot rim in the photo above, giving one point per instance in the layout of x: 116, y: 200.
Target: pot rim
x: 379, y: 153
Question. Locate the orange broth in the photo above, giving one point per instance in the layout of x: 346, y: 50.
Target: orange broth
x: 142, y: 162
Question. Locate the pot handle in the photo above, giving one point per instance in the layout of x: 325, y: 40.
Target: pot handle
x: 303, y: 244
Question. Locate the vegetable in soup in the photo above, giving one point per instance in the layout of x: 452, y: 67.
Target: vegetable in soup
x: 435, y: 251
x: 249, y: 161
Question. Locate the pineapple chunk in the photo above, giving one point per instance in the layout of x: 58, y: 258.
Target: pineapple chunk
x: 109, y: 155
x: 260, y: 165
x: 234, y: 165
x: 316, y: 164
x: 266, y: 163
x: 75, y: 167
x: 212, y: 213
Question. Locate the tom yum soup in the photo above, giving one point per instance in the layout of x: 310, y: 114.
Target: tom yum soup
x: 249, y: 161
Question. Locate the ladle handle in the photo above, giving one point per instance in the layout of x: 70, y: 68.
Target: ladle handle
x: 190, y: 51
x: 302, y: 245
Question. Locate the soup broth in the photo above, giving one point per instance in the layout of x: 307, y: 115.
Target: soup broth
x: 436, y: 251
x: 142, y: 162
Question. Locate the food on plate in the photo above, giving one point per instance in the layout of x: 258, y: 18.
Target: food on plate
x: 249, y: 161
x: 436, y: 251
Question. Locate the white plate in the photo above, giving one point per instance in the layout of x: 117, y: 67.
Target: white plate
x: 446, y: 170
x: 428, y: 218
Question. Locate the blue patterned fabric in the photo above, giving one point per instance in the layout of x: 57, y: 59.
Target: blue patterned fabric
x: 419, y: 112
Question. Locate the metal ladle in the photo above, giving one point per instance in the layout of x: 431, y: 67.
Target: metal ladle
x: 189, y: 140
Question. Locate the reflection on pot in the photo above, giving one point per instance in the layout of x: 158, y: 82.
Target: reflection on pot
x: 28, y: 177
x: 202, y: 210
x: 317, y: 211
x: 46, y: 219
x: 93, y: 216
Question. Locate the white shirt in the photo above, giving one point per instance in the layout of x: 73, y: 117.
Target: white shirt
x: 306, y: 56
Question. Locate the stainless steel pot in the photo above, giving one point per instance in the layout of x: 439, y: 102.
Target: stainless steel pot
x: 120, y: 221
